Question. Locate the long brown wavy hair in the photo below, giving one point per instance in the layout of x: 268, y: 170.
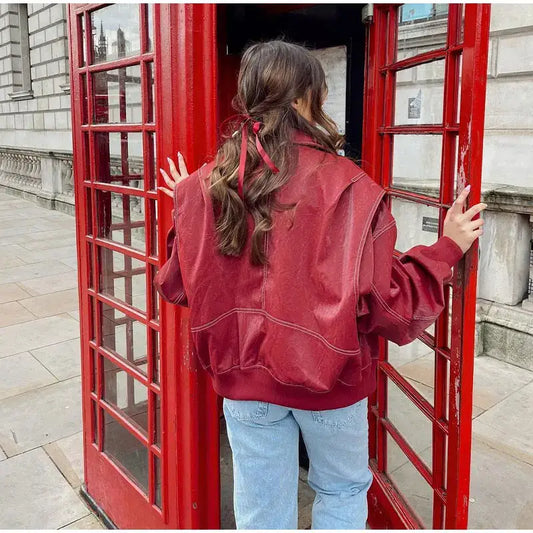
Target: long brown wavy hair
x: 272, y: 74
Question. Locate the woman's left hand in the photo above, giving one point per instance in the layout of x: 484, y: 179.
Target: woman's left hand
x: 176, y: 176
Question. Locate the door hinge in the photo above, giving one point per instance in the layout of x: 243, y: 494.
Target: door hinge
x: 367, y: 14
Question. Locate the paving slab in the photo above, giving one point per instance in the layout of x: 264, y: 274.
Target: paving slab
x: 40, y: 416
x: 48, y: 284
x: 38, y: 269
x: 22, y: 372
x: 35, y: 495
x: 10, y: 292
x: 71, y: 449
x: 508, y: 426
x: 50, y: 253
x: 61, y: 359
x: 14, y: 313
x: 503, y: 504
x: 37, y: 333
x: 53, y: 303
x: 495, y: 380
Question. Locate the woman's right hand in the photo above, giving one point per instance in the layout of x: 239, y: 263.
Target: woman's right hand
x: 459, y: 226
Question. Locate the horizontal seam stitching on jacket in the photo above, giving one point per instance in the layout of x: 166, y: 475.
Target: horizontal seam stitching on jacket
x: 388, y: 308
x: 279, y: 381
x: 361, y: 369
x: 280, y: 321
x: 383, y: 230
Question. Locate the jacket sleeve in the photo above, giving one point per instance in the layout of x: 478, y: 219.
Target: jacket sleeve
x: 168, y: 280
x: 399, y: 297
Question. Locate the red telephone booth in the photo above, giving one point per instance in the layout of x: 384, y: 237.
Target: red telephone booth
x: 149, y: 80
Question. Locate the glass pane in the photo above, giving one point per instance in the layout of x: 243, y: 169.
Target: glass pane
x: 407, y: 418
x: 157, y: 419
x: 124, y: 336
x: 419, y: 95
x: 123, y: 278
x: 119, y: 158
x: 126, y: 451
x: 157, y: 472
x: 417, y: 223
x: 155, y: 294
x: 416, y: 163
x: 412, y: 487
x: 121, y: 218
x: 149, y: 28
x: 417, y: 23
x: 94, y: 421
x: 459, y: 74
x: 153, y: 226
x: 150, y: 165
x: 150, y: 92
x: 115, y: 32
x: 154, y: 335
x: 126, y: 393
x: 84, y: 111
x: 88, y: 211
x: 83, y: 43
x: 117, y: 95
x: 92, y: 358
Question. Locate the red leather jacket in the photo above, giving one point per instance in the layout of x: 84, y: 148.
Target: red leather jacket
x: 303, y: 332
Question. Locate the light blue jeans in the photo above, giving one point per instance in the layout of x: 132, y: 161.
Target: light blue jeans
x: 264, y: 441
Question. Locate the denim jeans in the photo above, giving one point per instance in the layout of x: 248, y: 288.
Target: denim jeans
x: 264, y: 441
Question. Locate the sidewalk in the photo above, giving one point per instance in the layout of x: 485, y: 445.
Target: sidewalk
x: 41, y: 463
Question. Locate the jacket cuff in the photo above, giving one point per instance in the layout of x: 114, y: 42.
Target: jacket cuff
x: 447, y: 250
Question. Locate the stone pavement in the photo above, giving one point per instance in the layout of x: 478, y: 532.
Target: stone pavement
x: 41, y: 462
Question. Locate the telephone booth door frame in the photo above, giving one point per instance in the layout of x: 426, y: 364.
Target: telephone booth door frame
x: 148, y: 463
x: 451, y: 412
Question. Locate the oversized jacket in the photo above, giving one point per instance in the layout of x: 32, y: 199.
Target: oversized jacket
x: 303, y: 332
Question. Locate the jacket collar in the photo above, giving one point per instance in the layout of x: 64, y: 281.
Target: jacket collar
x: 300, y: 137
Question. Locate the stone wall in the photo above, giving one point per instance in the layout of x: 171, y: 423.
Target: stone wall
x: 40, y: 118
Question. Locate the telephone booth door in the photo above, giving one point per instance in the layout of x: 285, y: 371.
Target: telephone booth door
x: 423, y: 134
x: 140, y: 74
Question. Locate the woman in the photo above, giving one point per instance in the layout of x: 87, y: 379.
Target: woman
x: 283, y: 250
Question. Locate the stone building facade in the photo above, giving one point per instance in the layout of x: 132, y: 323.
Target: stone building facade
x: 36, y: 143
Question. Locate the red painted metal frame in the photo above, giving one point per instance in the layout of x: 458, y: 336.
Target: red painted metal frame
x: 451, y: 435
x: 183, y: 63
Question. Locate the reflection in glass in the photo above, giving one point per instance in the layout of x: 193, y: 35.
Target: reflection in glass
x: 119, y: 158
x: 115, y: 32
x: 417, y: 223
x: 419, y: 23
x: 121, y: 218
x: 126, y: 451
x: 124, y: 336
x: 123, y: 277
x: 419, y: 97
x: 409, y: 482
x: 126, y: 393
x: 117, y: 95
x: 416, y: 163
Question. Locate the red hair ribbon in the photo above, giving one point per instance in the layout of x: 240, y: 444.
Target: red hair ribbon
x: 244, y: 148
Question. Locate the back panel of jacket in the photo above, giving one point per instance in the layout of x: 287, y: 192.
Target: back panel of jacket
x: 294, y: 318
